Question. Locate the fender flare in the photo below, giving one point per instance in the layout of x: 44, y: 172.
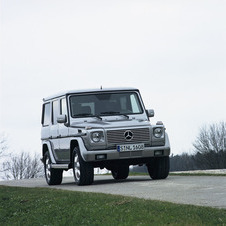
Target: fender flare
x: 49, y: 146
x: 81, y: 147
x: 167, y: 141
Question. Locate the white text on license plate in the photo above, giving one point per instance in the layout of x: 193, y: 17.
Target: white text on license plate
x: 130, y: 147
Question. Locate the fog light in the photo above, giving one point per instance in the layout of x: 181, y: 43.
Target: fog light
x: 159, y: 153
x: 101, y: 157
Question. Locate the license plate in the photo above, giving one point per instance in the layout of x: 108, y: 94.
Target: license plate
x: 130, y: 147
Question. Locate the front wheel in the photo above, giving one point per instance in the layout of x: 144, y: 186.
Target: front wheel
x: 120, y: 172
x: 158, y: 168
x: 53, y: 176
x: 83, y: 171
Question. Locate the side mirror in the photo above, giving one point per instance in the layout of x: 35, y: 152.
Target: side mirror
x: 150, y: 112
x: 62, y: 119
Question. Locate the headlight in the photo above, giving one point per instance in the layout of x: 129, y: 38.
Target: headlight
x: 97, y: 137
x: 158, y: 132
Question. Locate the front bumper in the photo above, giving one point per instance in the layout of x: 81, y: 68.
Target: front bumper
x: 92, y: 156
x: 113, y: 154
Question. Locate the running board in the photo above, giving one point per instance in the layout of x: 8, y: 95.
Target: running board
x: 60, y: 166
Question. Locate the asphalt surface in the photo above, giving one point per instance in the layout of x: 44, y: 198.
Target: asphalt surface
x: 196, y: 190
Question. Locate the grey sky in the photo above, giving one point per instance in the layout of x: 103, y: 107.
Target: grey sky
x: 173, y: 51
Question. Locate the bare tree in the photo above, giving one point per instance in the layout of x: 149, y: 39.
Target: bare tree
x: 23, y: 166
x: 209, y: 146
x: 3, y: 151
x: 3, y: 145
x: 211, y: 138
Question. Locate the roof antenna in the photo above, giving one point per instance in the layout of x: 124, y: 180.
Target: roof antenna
x: 101, y: 87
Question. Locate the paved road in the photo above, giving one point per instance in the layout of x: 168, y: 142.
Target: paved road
x: 195, y: 190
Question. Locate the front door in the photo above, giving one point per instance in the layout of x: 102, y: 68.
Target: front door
x: 64, y: 141
x: 54, y: 130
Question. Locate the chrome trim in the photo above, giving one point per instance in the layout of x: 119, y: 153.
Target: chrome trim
x: 119, y: 136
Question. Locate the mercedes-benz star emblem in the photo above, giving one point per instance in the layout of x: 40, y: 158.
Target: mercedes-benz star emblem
x: 128, y: 135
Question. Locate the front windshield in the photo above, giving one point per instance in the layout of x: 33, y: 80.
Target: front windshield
x: 105, y: 104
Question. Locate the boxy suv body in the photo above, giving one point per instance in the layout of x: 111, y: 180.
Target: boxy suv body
x: 106, y: 128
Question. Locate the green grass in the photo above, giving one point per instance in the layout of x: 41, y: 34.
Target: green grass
x: 44, y: 206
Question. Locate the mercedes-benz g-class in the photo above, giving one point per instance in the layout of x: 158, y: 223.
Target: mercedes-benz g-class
x: 105, y: 128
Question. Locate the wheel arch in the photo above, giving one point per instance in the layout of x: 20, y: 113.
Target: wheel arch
x: 74, y: 144
x: 46, y: 147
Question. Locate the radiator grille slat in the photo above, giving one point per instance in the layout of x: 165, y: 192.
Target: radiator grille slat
x: 140, y: 135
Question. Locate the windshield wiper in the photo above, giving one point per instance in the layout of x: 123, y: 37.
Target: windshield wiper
x: 114, y: 113
x: 87, y: 115
x: 127, y: 116
x: 110, y: 113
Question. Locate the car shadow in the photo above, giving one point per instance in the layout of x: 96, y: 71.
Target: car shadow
x: 101, y: 180
x: 113, y: 181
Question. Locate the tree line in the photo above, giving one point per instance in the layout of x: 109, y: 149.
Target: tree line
x: 209, y: 150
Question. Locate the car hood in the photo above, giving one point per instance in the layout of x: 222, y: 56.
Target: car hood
x: 104, y: 124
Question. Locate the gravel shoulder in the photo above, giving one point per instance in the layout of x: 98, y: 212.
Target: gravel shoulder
x: 196, y: 190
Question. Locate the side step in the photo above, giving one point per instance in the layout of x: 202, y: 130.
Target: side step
x: 60, y: 166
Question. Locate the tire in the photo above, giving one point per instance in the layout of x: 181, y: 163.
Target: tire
x: 159, y: 168
x: 120, y: 172
x: 53, y: 176
x: 83, y: 171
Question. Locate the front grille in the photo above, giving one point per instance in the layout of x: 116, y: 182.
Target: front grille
x: 140, y: 135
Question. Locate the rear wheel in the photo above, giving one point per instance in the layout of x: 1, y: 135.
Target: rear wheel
x: 159, y: 168
x: 83, y: 171
x: 53, y: 176
x: 120, y: 172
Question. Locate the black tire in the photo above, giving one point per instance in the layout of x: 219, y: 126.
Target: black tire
x: 53, y: 176
x: 159, y: 168
x: 120, y: 172
x: 83, y: 171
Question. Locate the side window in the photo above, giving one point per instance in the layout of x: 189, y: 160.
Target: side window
x: 55, y: 111
x: 46, y: 115
x: 63, y: 107
x: 135, y: 104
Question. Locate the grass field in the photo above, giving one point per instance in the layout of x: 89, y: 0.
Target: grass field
x: 41, y: 206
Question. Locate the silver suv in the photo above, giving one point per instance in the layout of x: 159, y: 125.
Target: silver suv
x: 106, y: 128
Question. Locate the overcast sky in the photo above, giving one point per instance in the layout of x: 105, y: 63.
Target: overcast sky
x: 174, y: 51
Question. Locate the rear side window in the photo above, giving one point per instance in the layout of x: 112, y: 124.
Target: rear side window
x: 55, y: 111
x: 46, y: 115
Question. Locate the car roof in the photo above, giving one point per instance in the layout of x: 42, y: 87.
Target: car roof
x: 89, y: 91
